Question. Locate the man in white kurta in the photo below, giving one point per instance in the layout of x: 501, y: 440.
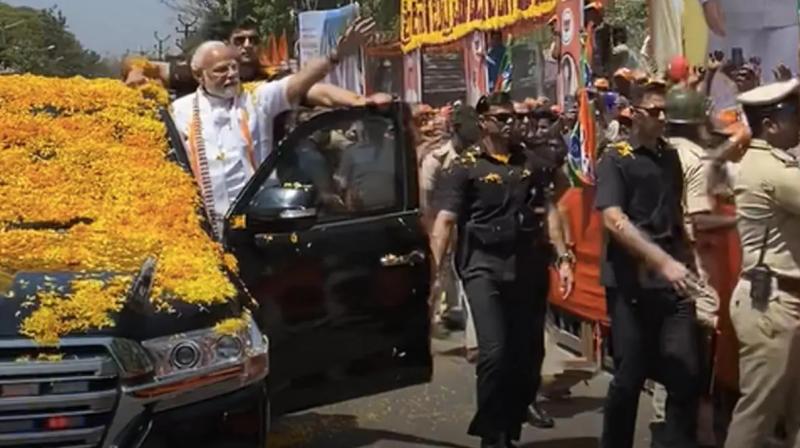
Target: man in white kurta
x: 229, y: 130
x: 226, y: 144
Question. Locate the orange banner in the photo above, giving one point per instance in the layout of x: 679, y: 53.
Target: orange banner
x: 588, y: 300
x: 432, y: 22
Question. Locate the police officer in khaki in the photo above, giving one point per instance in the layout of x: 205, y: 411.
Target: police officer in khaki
x: 765, y: 308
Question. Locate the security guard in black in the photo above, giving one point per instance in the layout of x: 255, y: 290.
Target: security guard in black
x: 491, y: 197
x: 505, y: 277
x: 653, y: 328
x: 648, y: 185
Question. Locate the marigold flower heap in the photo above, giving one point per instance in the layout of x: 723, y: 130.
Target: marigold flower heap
x: 86, y: 188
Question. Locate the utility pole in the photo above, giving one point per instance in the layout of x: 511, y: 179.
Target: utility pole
x: 186, y: 28
x: 159, y: 46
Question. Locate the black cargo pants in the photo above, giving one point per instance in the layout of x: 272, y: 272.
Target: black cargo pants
x: 509, y: 322
x: 654, y: 335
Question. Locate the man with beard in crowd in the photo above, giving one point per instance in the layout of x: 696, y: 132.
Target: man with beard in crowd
x: 644, y: 270
x: 244, y: 37
x: 503, y: 259
x: 229, y: 131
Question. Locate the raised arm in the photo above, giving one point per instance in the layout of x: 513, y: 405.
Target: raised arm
x: 301, y: 83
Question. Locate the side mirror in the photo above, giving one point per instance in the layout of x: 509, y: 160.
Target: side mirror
x: 281, y: 205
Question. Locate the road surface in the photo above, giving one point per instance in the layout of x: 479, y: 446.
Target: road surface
x: 437, y: 414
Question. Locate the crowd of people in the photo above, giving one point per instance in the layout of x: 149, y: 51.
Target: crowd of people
x: 491, y: 175
x: 668, y: 174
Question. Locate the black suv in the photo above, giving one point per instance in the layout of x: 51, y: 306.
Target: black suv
x: 333, y: 269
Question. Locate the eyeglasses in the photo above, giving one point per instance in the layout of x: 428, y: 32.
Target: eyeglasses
x: 654, y: 111
x: 502, y: 117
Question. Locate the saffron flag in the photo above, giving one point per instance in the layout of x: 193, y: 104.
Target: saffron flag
x: 283, y: 48
x: 274, y: 57
x: 582, y: 141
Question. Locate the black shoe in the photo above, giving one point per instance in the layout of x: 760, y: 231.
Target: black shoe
x: 510, y: 443
x: 493, y: 443
x: 538, y: 418
x: 501, y: 441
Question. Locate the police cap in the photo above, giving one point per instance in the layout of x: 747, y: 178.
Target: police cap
x: 770, y: 94
x: 769, y: 100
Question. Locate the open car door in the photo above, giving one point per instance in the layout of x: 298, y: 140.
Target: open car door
x: 329, y: 242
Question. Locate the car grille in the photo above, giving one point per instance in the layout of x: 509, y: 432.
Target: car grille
x: 66, y: 403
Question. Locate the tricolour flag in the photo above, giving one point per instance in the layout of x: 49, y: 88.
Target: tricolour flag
x: 582, y: 141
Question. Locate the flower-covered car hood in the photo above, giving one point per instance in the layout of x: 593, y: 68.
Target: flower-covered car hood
x: 87, y: 188
x: 96, y: 306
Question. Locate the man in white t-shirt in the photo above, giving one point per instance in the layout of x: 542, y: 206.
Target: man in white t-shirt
x: 229, y: 130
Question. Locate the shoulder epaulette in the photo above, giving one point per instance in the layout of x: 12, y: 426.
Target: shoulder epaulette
x: 469, y: 156
x: 622, y: 148
x: 784, y: 157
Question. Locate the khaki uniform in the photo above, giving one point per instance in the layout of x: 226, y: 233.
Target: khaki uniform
x: 696, y: 200
x: 434, y: 164
x: 768, y: 198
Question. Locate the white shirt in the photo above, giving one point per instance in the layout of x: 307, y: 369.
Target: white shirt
x: 226, y: 147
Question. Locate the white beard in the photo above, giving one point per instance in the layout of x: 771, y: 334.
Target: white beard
x: 226, y: 93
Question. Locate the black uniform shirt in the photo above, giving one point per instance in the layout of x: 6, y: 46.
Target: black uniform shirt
x: 496, y: 227
x: 648, y: 186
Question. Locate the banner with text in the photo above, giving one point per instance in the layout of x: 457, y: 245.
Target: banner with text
x: 319, y: 34
x: 431, y: 22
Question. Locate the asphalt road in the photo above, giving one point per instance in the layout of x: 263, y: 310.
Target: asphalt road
x: 437, y: 414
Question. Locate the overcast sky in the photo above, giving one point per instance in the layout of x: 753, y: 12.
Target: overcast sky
x: 112, y: 26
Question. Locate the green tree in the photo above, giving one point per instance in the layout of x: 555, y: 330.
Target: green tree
x: 38, y: 41
x: 631, y: 15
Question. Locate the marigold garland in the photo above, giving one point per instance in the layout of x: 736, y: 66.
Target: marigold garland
x: 86, y: 187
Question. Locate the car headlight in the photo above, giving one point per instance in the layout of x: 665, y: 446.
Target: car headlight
x: 208, y: 349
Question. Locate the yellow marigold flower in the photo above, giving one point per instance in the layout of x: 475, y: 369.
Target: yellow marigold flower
x: 87, y: 307
x: 83, y: 178
x: 230, y: 327
x: 238, y: 222
x: 231, y: 262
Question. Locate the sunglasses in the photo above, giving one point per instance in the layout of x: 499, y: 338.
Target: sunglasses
x: 240, y: 40
x: 502, y: 117
x: 653, y: 112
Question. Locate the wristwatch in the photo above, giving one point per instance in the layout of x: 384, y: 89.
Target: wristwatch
x: 567, y: 257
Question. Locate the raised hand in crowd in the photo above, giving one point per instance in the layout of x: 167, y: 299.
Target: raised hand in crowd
x: 746, y: 76
x: 782, y: 73
x: 359, y: 33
